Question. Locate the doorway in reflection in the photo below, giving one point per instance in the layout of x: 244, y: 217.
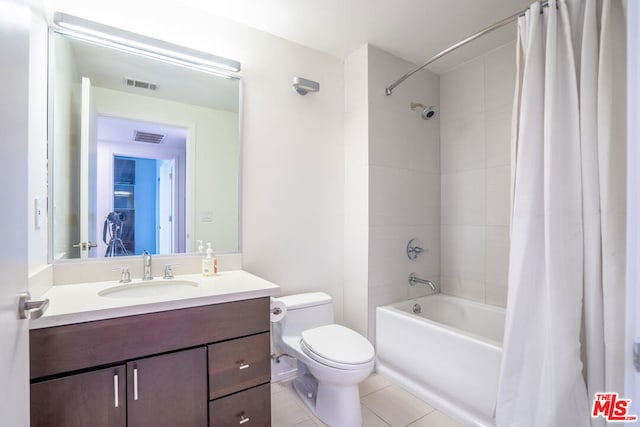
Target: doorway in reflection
x: 141, y: 187
x: 143, y: 201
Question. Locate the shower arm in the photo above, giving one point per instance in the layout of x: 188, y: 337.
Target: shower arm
x: 389, y: 89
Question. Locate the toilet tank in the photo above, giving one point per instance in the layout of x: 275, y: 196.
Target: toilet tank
x: 305, y: 311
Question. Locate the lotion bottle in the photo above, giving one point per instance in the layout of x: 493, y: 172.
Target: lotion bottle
x: 209, y: 263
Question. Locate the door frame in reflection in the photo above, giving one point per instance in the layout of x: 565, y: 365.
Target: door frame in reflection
x: 107, y: 152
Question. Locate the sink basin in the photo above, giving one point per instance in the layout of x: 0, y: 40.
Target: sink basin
x: 149, y: 289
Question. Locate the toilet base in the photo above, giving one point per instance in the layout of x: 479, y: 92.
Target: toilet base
x: 335, y: 405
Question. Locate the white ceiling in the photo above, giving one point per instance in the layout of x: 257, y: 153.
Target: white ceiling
x: 414, y: 30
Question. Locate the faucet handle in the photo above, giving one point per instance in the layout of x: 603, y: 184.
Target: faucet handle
x: 125, y: 276
x: 168, y: 271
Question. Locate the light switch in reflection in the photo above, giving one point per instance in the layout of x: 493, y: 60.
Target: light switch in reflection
x: 37, y: 206
x: 207, y: 216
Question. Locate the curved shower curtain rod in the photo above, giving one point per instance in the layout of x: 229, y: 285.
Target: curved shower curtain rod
x: 389, y: 89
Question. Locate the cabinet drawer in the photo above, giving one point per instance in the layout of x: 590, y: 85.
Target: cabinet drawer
x: 250, y: 408
x: 238, y: 364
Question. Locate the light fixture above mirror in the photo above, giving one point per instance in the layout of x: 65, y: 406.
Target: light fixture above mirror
x: 120, y: 39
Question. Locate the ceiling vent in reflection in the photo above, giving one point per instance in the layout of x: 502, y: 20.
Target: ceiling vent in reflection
x: 140, y: 84
x: 152, y: 138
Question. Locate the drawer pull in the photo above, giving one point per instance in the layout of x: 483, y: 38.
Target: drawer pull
x: 243, y: 419
x: 244, y: 366
x: 135, y: 384
x: 115, y: 391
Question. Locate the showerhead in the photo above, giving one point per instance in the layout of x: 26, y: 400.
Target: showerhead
x: 427, y: 112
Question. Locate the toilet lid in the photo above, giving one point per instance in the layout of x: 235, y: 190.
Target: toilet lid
x: 337, y: 346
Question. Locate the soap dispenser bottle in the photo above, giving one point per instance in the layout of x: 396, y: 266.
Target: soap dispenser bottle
x: 209, y: 263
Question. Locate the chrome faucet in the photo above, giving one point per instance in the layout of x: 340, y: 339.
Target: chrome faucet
x: 413, y: 280
x: 146, y: 258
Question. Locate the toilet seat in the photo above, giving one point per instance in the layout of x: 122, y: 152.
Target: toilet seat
x: 337, y: 347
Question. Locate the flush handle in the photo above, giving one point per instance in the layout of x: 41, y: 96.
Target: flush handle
x: 29, y: 309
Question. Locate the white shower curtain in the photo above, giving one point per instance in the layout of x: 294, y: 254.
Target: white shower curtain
x: 566, y: 267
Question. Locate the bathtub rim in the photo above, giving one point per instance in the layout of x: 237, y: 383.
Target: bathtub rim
x: 480, y: 339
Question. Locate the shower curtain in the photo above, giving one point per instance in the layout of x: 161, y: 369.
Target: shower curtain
x: 565, y: 308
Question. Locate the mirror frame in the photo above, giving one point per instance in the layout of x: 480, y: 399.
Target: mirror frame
x: 51, y: 72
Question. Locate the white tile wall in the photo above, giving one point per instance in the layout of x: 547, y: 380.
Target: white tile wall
x: 464, y: 136
x: 404, y: 184
x: 356, y: 191
x: 400, y: 197
x: 444, y: 181
x: 476, y: 107
x: 464, y: 198
x: 462, y: 89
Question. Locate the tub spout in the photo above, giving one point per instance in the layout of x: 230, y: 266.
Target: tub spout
x: 413, y: 280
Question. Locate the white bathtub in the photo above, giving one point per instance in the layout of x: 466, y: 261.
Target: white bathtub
x: 449, y: 355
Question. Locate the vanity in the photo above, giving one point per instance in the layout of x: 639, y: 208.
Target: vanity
x: 196, y: 356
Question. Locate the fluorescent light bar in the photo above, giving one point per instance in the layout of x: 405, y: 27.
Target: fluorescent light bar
x: 96, y: 33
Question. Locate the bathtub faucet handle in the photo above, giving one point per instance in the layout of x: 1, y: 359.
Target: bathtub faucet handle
x: 414, y: 248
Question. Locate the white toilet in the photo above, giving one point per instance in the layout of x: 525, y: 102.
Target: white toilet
x: 332, y: 359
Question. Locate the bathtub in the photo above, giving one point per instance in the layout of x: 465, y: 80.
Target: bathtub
x: 448, y: 355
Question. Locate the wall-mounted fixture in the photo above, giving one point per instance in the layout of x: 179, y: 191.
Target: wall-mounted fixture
x: 304, y: 86
x: 414, y: 248
x: 105, y: 35
x: 414, y: 280
x: 427, y: 112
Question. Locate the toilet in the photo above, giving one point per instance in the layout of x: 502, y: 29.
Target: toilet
x: 332, y: 359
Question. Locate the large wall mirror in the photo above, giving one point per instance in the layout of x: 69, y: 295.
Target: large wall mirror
x: 145, y: 154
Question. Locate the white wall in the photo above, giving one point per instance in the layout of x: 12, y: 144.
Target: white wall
x: 292, y: 172
x: 477, y: 99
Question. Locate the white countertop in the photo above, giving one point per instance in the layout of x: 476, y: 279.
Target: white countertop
x: 80, y: 302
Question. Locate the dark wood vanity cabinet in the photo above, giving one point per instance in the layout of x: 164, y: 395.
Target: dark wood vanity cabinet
x: 135, y: 370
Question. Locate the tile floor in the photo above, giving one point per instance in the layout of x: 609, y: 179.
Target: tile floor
x: 383, y: 404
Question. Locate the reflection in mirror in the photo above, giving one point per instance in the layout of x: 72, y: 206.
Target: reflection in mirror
x: 145, y: 154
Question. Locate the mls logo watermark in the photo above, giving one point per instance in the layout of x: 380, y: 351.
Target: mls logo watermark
x: 612, y: 408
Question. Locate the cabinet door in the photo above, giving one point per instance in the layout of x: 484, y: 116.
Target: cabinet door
x: 168, y: 390
x: 91, y: 399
